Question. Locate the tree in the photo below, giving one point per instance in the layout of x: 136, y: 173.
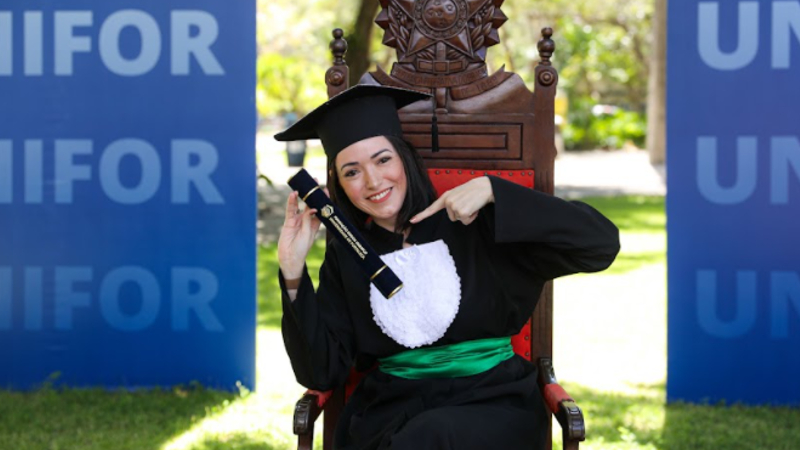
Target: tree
x: 359, y: 39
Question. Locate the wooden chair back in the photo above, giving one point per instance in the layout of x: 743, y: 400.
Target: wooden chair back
x: 486, y: 123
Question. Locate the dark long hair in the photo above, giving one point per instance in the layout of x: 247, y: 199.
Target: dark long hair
x: 419, y: 189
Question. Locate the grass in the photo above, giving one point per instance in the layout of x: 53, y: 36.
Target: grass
x: 610, y: 353
x: 100, y: 419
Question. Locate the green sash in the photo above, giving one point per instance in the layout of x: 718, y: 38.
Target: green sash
x: 449, y: 361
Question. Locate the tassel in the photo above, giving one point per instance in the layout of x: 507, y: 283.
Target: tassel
x: 434, y: 134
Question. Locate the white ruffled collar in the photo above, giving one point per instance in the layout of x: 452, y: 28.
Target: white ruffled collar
x: 424, y: 309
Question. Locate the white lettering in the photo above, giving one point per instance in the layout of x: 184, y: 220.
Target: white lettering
x: 784, y: 290
x: 129, y: 298
x: 33, y: 298
x: 707, y: 304
x: 33, y: 171
x: 33, y: 43
x: 6, y: 171
x: 6, y: 44
x: 707, y: 176
x: 150, y: 43
x: 708, y: 36
x: 150, y: 295
x: 184, y: 174
x: 66, y: 43
x: 785, y: 20
x: 5, y: 298
x: 785, y: 153
x: 66, y: 298
x: 192, y: 33
x: 193, y: 289
x: 110, y: 171
x: 192, y: 164
x: 184, y: 45
x: 66, y: 170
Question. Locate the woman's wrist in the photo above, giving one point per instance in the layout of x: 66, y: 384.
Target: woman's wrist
x: 292, y: 283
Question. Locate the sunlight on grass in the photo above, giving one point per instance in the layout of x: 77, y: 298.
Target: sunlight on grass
x: 633, y: 213
x: 255, y: 420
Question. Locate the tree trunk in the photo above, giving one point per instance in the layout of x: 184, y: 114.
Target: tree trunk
x: 656, y: 88
x: 358, y: 41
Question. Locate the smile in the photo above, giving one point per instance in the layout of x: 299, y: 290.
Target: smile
x: 380, y: 196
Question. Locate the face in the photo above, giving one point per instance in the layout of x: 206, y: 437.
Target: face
x: 372, y: 175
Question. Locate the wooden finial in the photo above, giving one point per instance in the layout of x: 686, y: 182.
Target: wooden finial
x: 336, y: 76
x: 546, y: 46
x: 338, y: 47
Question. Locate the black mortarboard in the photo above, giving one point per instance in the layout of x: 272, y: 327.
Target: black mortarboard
x: 361, y: 112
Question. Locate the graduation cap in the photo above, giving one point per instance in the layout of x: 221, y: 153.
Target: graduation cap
x: 358, y: 113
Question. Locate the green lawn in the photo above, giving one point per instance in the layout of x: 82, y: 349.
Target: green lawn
x: 610, y: 354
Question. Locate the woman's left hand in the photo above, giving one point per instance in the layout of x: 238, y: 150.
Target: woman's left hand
x: 462, y: 202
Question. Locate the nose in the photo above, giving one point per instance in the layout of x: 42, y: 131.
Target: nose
x: 372, y: 178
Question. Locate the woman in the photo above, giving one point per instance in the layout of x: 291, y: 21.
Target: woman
x: 473, y: 263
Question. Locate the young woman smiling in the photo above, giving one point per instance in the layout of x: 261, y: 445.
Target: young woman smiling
x: 473, y: 263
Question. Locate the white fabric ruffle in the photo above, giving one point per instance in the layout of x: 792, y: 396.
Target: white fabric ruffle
x: 425, y: 308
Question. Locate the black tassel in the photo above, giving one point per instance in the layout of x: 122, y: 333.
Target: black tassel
x: 434, y: 134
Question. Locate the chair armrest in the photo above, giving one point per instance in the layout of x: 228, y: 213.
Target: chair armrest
x: 308, y: 409
x: 567, y: 412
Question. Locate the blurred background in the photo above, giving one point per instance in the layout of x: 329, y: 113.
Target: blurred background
x: 610, y: 328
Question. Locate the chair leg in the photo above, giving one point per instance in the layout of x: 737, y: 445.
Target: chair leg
x: 571, y: 445
x: 306, y: 441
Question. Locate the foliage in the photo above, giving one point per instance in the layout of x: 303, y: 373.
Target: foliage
x: 609, y: 131
x: 293, y: 55
x: 287, y: 84
x: 602, y: 55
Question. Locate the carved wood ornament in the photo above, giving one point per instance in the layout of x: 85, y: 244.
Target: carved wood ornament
x: 441, y: 44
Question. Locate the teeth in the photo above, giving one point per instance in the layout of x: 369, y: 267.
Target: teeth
x: 380, y: 196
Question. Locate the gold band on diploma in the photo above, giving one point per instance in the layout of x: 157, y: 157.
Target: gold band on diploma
x: 395, y: 291
x: 374, y: 275
x: 310, y: 192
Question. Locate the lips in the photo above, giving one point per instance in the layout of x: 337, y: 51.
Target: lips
x: 381, y: 196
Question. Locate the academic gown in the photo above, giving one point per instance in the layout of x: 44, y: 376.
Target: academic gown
x: 503, y: 259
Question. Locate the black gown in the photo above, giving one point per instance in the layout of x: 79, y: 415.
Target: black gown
x: 503, y: 259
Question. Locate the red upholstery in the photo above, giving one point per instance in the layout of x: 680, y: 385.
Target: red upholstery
x: 446, y: 179
x: 553, y: 395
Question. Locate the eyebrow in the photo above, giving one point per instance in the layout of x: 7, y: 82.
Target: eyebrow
x: 353, y: 163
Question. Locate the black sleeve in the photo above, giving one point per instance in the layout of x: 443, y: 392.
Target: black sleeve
x: 551, y: 237
x: 317, y: 330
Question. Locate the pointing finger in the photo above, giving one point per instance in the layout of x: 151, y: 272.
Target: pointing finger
x: 429, y: 211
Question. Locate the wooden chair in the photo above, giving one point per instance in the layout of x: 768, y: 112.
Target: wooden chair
x: 486, y: 124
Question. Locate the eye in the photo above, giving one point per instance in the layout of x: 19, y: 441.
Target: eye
x: 350, y: 173
x: 384, y: 159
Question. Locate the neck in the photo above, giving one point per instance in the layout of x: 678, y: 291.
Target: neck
x: 385, y: 224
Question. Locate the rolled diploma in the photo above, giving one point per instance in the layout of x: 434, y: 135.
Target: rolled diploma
x: 379, y: 273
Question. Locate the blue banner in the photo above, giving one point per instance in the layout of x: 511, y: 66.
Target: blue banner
x: 733, y: 203
x: 127, y: 193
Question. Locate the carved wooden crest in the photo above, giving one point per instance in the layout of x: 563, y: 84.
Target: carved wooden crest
x: 453, y: 31
x: 441, y: 44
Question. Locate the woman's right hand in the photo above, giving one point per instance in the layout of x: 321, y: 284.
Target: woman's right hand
x: 297, y: 237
